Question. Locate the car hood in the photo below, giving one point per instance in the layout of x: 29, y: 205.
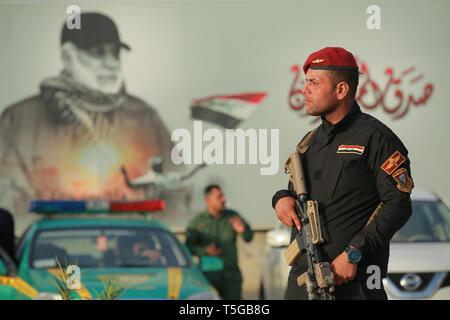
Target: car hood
x: 139, y: 283
x: 419, y: 257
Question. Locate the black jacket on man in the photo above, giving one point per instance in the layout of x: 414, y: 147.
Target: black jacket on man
x: 350, y: 168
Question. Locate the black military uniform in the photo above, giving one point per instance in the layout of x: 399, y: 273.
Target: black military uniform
x: 350, y: 168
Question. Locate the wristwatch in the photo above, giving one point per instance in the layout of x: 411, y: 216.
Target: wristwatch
x: 354, y: 255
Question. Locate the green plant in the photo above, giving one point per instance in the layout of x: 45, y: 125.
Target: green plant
x: 111, y: 289
x: 61, y: 282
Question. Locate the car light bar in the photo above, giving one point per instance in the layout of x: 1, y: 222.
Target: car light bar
x: 94, y: 206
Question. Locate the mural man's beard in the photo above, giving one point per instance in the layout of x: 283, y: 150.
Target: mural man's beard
x: 108, y: 84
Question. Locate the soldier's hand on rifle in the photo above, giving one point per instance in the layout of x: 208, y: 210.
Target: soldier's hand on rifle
x: 285, y: 210
x: 343, y: 270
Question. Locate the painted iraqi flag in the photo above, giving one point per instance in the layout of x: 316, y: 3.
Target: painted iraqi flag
x: 226, y: 110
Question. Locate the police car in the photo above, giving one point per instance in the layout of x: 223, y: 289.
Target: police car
x: 146, y: 259
x: 419, y: 261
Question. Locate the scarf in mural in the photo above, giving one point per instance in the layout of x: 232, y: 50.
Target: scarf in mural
x: 73, y: 102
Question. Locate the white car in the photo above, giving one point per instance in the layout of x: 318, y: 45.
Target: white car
x: 419, y: 262
x: 274, y: 268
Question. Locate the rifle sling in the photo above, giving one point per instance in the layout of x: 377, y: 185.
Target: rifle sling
x: 375, y: 212
x: 303, y: 146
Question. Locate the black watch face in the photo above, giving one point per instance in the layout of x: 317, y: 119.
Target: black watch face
x: 354, y: 255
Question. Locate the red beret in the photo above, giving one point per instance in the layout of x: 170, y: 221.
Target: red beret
x: 331, y: 58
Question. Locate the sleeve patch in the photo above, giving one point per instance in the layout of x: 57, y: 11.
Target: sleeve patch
x: 404, y: 182
x: 393, y: 162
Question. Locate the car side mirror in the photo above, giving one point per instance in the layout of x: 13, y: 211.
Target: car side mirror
x: 7, y: 265
x: 278, y: 238
x: 3, y: 269
x: 209, y: 263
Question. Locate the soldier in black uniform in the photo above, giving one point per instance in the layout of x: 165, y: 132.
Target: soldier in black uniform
x: 353, y: 164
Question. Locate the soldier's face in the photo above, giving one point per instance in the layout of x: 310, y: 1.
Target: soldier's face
x: 320, y: 93
x: 216, y: 199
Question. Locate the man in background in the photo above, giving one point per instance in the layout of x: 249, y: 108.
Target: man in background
x: 213, y: 233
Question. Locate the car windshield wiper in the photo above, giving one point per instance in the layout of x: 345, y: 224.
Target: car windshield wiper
x: 89, y: 265
x: 129, y: 265
x: 132, y: 264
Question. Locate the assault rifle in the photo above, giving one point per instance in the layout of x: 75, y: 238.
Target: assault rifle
x: 318, y: 278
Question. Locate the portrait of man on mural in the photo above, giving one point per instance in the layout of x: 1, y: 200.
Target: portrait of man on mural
x: 71, y: 139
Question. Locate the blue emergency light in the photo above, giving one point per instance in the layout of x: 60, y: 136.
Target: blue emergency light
x: 94, y: 206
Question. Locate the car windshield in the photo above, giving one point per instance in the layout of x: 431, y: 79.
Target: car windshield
x: 429, y: 222
x: 106, y: 247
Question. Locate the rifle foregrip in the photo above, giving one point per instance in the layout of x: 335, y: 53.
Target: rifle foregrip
x: 314, y: 220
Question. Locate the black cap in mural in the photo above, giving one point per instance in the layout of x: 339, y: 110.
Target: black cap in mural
x: 95, y: 29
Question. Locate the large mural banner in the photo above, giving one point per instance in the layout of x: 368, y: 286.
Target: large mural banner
x: 84, y: 136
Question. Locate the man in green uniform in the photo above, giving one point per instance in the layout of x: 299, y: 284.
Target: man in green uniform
x: 213, y: 233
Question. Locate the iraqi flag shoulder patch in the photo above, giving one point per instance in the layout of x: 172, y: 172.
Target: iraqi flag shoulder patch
x: 351, y: 149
